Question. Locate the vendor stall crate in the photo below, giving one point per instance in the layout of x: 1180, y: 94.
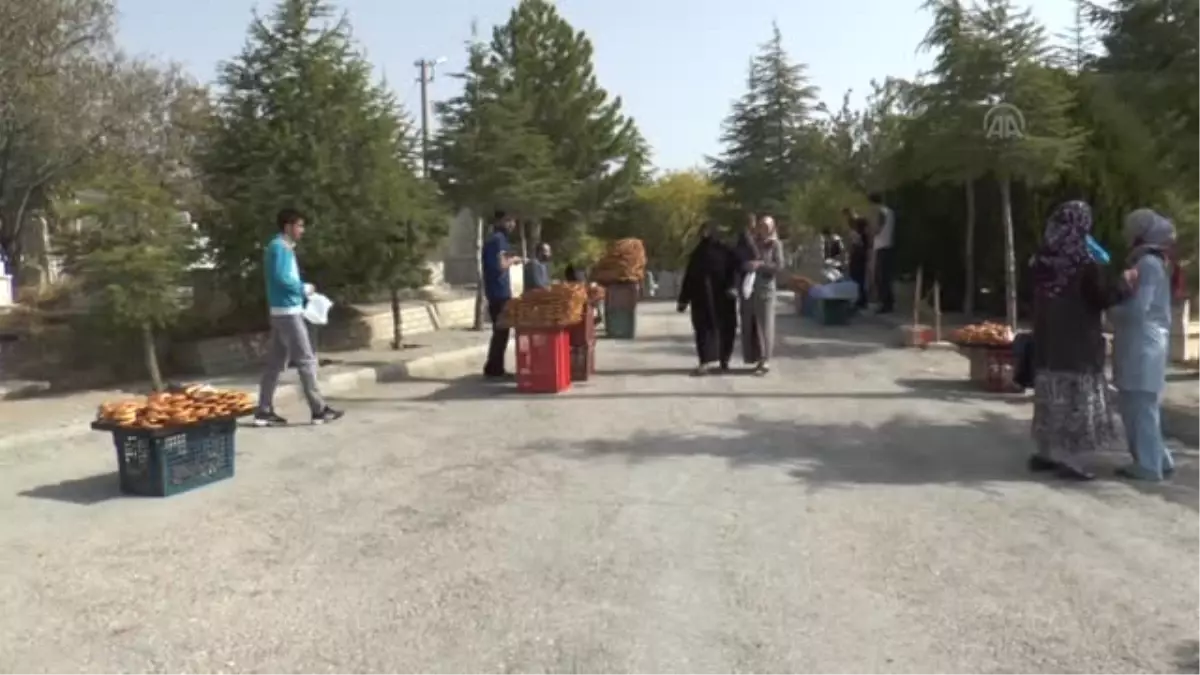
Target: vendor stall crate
x: 834, y: 312
x: 992, y: 368
x: 584, y: 332
x: 583, y: 362
x: 999, y: 370
x: 165, y: 462
x: 621, y: 296
x: 918, y: 336
x: 543, y: 360
x: 620, y: 324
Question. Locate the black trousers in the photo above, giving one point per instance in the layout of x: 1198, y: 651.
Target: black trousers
x: 715, y: 335
x: 499, y: 344
x: 859, y: 276
x: 885, y: 268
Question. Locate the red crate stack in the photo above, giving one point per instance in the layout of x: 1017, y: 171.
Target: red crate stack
x: 543, y: 361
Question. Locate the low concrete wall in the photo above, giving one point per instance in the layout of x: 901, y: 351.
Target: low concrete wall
x: 371, y: 328
x: 219, y: 356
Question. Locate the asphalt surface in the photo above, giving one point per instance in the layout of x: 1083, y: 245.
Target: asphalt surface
x: 857, y: 510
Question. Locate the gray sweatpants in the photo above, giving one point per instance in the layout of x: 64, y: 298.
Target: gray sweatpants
x: 289, y: 342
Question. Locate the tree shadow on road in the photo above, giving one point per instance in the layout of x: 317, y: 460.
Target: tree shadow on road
x: 806, y: 347
x: 947, y: 389
x: 905, y: 450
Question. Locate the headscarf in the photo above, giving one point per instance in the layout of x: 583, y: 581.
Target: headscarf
x: 1064, y: 250
x: 1147, y: 231
x: 711, y: 255
x: 771, y: 231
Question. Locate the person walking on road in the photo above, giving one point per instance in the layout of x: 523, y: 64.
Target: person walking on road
x: 884, y: 252
x: 860, y: 253
x: 288, y: 341
x: 1071, y: 414
x: 758, y: 311
x: 497, y: 289
x: 709, y: 288
x: 1141, y: 341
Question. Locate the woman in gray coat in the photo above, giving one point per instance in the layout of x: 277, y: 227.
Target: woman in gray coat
x: 758, y: 311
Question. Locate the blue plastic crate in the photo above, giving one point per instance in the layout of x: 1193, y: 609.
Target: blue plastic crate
x: 165, y: 462
x: 833, y: 312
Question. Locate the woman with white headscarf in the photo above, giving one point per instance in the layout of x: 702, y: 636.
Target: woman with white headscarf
x: 758, y: 310
x: 1141, y: 340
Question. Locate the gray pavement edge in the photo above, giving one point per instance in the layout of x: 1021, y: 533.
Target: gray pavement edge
x: 441, y: 365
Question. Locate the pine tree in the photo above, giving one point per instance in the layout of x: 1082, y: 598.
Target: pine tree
x: 1076, y: 49
x: 1153, y: 61
x: 950, y: 126
x: 490, y: 155
x: 1014, y: 58
x: 595, y: 148
x: 771, y: 141
x: 301, y: 123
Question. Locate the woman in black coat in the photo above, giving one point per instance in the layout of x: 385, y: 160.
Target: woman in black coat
x: 709, y: 289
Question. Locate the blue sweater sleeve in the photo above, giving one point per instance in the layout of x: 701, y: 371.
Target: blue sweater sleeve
x: 282, y: 268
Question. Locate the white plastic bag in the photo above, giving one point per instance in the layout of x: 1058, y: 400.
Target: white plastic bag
x: 316, y: 311
x: 748, y: 285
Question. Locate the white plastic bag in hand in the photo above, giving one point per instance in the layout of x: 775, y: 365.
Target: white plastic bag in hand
x: 316, y: 311
x: 748, y: 284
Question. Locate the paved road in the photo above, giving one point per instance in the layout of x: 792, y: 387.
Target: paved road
x: 854, y: 512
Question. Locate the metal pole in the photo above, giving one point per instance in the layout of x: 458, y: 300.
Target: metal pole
x: 423, y: 79
x: 425, y: 69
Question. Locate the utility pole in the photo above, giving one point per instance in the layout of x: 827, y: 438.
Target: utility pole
x: 425, y: 68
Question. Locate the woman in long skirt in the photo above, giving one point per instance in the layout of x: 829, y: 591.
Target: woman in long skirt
x: 709, y: 288
x: 1071, y: 414
x: 758, y: 311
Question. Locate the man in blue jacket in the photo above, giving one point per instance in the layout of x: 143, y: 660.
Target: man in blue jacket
x: 287, y: 295
x: 497, y: 289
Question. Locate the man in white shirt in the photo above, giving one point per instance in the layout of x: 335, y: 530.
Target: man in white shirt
x: 884, y: 252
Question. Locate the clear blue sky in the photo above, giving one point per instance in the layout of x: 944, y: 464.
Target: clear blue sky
x: 676, y: 64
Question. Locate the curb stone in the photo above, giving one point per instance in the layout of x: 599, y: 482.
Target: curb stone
x: 443, y: 365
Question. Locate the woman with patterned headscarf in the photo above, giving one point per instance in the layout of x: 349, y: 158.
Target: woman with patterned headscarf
x: 1071, y: 414
x: 1141, y: 339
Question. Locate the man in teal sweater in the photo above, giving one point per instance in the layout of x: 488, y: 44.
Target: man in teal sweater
x: 286, y: 295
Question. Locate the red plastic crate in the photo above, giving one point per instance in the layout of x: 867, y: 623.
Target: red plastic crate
x: 998, y: 370
x: 543, y: 361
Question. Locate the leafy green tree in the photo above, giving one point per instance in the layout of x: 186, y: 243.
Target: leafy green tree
x: 669, y: 214
x: 299, y: 121
x: 769, y: 137
x: 134, y: 243
x: 60, y: 95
